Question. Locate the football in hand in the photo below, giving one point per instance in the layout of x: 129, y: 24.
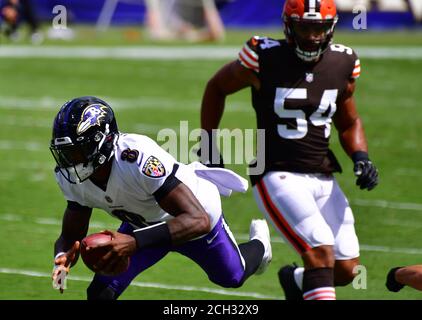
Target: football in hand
x: 90, y: 257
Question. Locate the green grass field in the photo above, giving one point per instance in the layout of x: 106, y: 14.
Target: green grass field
x: 152, y: 94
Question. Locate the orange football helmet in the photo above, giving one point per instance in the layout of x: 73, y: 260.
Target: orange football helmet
x: 309, y: 26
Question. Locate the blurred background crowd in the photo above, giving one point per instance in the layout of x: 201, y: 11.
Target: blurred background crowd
x: 190, y: 20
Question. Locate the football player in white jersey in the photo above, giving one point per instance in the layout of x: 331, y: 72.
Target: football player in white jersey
x: 164, y: 205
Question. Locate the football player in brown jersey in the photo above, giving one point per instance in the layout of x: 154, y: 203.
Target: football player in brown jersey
x: 299, y: 86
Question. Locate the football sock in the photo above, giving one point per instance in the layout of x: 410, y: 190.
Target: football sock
x: 318, y: 284
x: 252, y: 252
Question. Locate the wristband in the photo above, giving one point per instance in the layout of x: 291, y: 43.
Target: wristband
x: 360, y: 156
x: 392, y: 284
x: 59, y: 255
x: 153, y: 236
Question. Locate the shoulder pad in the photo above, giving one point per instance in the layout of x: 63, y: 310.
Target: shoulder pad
x: 253, y: 43
x: 257, y: 43
x: 336, y: 47
x: 350, y: 55
x: 249, y: 55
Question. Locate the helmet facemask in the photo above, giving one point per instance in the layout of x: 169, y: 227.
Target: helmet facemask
x: 310, y: 37
x: 309, y: 26
x: 310, y: 32
x: 78, y: 160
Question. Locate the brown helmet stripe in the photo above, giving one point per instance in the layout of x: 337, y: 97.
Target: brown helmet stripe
x: 307, y: 5
x: 318, y: 6
x: 312, y: 6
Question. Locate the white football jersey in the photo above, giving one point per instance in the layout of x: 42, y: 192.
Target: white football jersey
x: 140, y: 167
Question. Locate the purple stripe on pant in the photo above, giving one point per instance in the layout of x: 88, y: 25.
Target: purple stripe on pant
x: 215, y: 253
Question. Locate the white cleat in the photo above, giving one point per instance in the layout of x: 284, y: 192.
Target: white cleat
x: 259, y: 230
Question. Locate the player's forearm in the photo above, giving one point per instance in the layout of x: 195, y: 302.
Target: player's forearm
x: 74, y: 227
x: 410, y: 276
x: 229, y: 79
x: 353, y: 138
x: 173, y: 232
x: 212, y: 108
x: 63, y: 245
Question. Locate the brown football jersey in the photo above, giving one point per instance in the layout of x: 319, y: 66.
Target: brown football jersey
x: 296, y: 102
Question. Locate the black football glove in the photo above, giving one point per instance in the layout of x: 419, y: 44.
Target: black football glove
x: 392, y: 283
x: 208, y: 153
x: 365, y: 171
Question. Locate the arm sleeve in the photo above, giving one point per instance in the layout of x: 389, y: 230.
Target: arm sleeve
x: 73, y: 205
x: 356, y: 67
x: 248, y: 55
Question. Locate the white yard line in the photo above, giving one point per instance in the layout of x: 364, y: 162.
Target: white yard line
x: 126, y: 53
x: 150, y: 128
x: 363, y: 247
x: 22, y: 145
x: 405, y: 223
x: 409, y: 172
x: 34, y: 171
x: 239, y: 236
x: 35, y: 165
x: 389, y: 52
x: 172, y: 53
x: 388, y: 204
x: 28, y: 122
x: 32, y: 273
x: 53, y: 103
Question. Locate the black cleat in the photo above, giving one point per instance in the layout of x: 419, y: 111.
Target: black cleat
x: 288, y: 283
x: 392, y: 283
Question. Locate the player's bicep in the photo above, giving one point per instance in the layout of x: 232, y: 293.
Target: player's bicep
x: 246, y: 75
x: 190, y: 220
x: 346, y: 114
x: 181, y: 200
x: 231, y: 78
